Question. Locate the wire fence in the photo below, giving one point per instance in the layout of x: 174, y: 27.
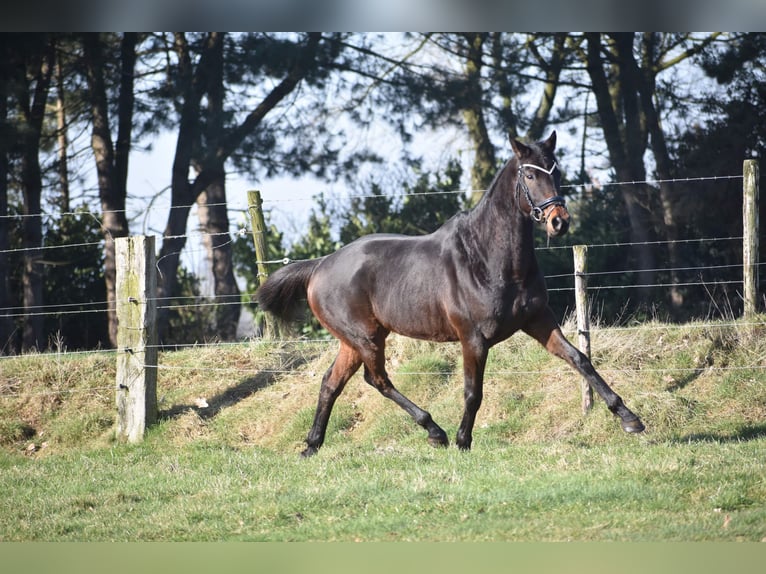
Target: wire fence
x: 203, y: 301
x: 10, y: 391
x: 559, y: 284
x: 610, y: 276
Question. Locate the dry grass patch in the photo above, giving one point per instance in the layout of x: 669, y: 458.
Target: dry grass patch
x: 666, y: 373
x: 683, y: 380
x: 52, y: 401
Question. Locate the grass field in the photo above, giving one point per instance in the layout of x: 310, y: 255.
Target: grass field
x: 222, y: 463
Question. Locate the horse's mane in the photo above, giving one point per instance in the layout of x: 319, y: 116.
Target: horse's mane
x: 511, y: 164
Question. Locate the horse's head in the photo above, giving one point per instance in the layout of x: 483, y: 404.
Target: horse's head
x: 539, y: 181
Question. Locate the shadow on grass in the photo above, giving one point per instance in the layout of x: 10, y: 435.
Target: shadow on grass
x: 232, y: 395
x: 686, y: 380
x: 743, y: 434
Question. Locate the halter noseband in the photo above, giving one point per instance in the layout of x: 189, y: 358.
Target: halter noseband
x: 537, y: 211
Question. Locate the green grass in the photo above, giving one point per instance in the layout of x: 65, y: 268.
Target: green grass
x: 538, y: 471
x: 528, y: 493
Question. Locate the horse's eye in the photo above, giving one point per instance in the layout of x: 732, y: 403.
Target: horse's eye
x: 530, y: 176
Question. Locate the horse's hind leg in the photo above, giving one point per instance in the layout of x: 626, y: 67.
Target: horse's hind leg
x: 342, y: 369
x: 546, y: 330
x: 375, y: 374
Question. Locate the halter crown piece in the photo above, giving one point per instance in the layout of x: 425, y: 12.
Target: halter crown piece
x: 538, y: 211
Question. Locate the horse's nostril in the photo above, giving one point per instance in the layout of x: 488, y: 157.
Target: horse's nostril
x: 559, y: 225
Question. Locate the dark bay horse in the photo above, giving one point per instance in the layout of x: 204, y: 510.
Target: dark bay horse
x: 475, y: 280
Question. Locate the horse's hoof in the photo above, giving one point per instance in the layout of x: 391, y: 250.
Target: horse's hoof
x: 439, y: 441
x: 309, y: 451
x: 633, y: 426
x: 462, y: 442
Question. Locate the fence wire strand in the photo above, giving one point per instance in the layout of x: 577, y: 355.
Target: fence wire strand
x: 282, y: 344
x: 239, y: 299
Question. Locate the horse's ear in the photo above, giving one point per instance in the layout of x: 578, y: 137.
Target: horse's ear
x: 521, y: 150
x: 549, y: 145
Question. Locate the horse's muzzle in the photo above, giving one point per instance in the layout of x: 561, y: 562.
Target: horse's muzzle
x: 557, y: 221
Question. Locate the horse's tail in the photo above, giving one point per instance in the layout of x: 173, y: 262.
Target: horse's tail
x: 284, y: 291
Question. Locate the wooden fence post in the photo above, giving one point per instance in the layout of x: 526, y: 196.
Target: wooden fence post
x: 136, y: 337
x: 580, y: 253
x: 750, y: 235
x: 255, y: 208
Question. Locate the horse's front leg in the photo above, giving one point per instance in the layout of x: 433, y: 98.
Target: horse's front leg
x: 546, y: 330
x: 474, y: 361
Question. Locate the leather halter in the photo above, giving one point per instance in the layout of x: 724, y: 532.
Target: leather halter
x: 537, y: 210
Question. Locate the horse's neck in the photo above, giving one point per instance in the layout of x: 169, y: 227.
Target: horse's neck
x: 504, y: 233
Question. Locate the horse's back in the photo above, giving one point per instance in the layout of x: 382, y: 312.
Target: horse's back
x: 394, y: 282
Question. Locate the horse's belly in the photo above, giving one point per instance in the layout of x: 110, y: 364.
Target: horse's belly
x: 417, y: 320
x: 407, y: 295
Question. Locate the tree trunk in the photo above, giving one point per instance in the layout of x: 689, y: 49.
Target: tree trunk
x: 214, y: 221
x: 214, y: 217
x: 112, y: 191
x: 181, y: 193
x: 504, y: 87
x: 32, y: 239
x: 63, y: 141
x: 552, y: 67
x: 620, y: 122
x: 6, y: 323
x: 664, y: 169
x: 173, y: 242
x: 484, y: 168
x: 36, y: 62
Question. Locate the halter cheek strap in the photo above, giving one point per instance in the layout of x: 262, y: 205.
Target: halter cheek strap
x: 538, y: 211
